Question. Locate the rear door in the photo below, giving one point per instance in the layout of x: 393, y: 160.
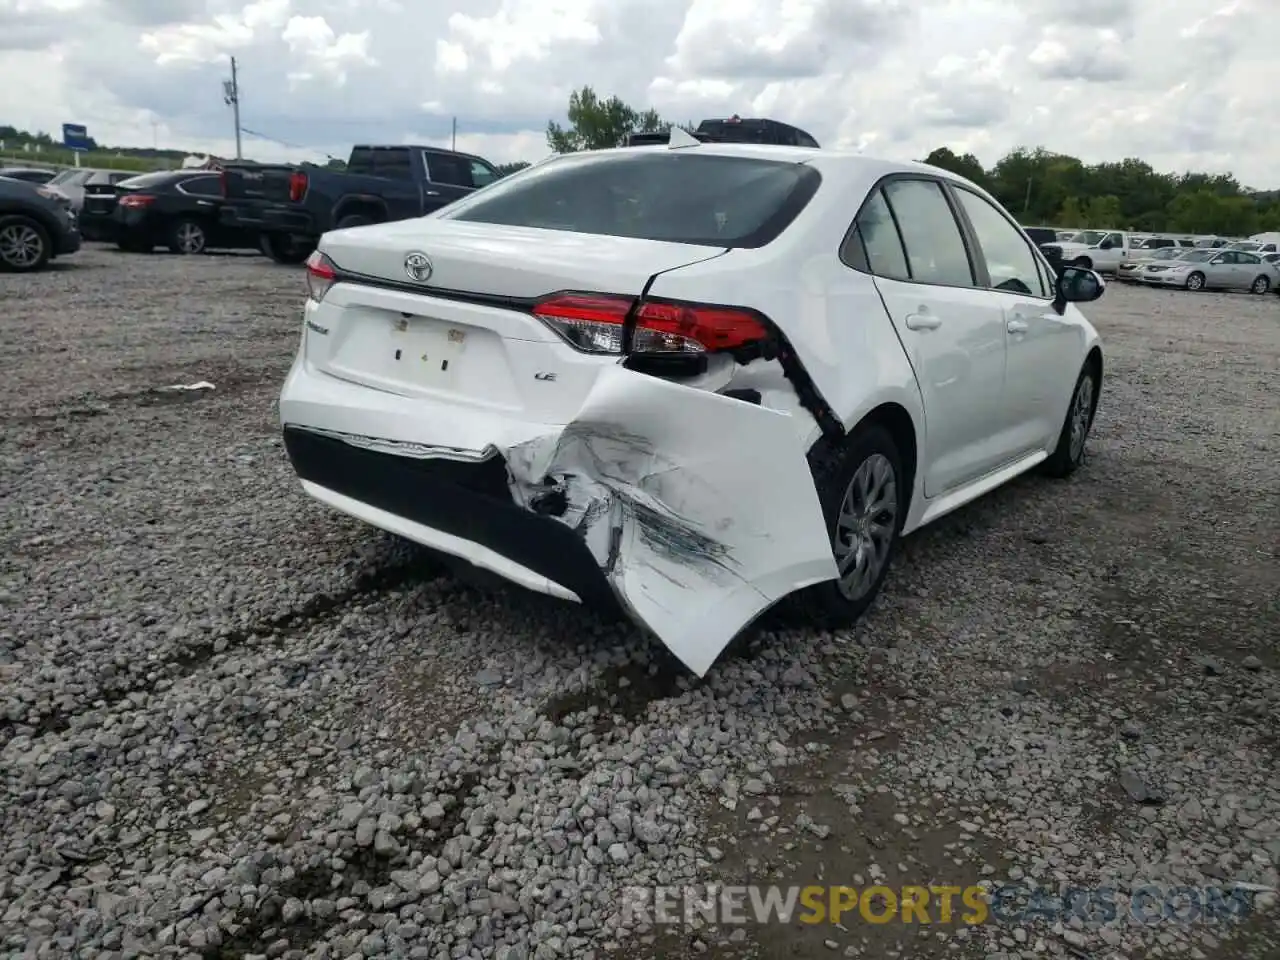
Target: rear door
x: 953, y: 332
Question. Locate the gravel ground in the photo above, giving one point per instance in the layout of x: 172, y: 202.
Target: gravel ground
x: 234, y: 725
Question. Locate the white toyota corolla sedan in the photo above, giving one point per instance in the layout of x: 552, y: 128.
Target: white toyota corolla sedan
x: 689, y: 380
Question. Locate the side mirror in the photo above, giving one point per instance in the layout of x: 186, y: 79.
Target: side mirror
x: 1105, y: 245
x: 1077, y: 285
x: 1218, y: 260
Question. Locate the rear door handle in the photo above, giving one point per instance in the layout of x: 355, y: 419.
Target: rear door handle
x: 1017, y: 326
x: 922, y: 321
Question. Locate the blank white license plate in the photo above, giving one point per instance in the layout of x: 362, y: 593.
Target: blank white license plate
x: 424, y: 351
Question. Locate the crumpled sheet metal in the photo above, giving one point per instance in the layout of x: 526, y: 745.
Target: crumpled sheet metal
x: 700, y: 509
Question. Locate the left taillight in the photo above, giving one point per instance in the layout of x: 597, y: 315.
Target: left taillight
x: 136, y: 200
x: 321, y: 275
x: 596, y: 323
x: 297, y: 186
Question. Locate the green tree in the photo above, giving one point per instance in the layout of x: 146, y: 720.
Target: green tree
x: 1071, y: 214
x: 506, y: 169
x: 1104, y: 213
x: 964, y: 165
x: 596, y: 124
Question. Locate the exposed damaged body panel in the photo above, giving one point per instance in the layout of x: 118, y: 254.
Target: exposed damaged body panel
x: 695, y: 532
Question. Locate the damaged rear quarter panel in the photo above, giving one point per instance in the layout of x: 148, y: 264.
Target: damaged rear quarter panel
x: 700, y: 509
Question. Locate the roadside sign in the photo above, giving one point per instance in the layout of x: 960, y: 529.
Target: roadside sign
x: 76, y: 137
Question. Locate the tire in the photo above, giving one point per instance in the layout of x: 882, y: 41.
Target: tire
x: 283, y: 249
x: 1261, y: 285
x: 868, y: 454
x: 1073, y: 438
x: 1082, y: 262
x: 25, y: 246
x: 353, y: 220
x: 188, y: 237
x: 1195, y: 281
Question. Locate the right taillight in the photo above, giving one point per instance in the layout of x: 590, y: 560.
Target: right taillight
x: 297, y: 186
x: 596, y: 323
x: 321, y: 275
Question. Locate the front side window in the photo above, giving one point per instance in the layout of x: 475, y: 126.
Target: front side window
x: 482, y: 174
x: 666, y: 195
x: 1013, y: 267
x: 935, y: 247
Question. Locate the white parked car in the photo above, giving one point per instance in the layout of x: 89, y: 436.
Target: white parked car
x: 689, y: 381
x: 1101, y: 250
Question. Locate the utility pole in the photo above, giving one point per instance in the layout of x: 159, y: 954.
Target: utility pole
x: 231, y: 96
x: 453, y: 145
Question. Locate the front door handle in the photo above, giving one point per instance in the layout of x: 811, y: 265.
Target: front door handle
x: 922, y: 321
x: 433, y: 193
x: 1017, y: 326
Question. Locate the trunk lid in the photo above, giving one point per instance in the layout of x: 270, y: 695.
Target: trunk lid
x: 100, y: 199
x: 504, y: 261
x: 488, y: 353
x: 257, y: 182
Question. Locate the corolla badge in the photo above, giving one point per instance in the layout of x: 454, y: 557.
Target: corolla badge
x: 417, y: 266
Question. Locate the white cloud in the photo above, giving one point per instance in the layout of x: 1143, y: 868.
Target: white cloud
x: 1182, y: 88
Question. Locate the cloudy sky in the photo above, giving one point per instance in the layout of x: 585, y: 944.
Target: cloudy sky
x: 1182, y: 84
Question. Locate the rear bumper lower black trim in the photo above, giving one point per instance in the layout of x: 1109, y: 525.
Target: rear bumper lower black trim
x: 467, y: 500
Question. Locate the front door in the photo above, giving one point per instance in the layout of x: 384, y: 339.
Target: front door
x: 1043, y: 346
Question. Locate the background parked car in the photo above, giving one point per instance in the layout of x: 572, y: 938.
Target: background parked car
x: 72, y: 182
x: 179, y: 209
x: 1213, y: 269
x: 1132, y: 269
x: 35, y: 227
x: 28, y: 174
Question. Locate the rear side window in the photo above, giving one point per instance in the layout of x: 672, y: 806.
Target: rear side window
x: 935, y: 247
x: 881, y: 242
x: 202, y: 186
x: 664, y: 195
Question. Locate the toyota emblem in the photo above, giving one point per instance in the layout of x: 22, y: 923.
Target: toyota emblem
x: 417, y: 266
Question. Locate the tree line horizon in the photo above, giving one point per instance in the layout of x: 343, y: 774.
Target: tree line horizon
x: 1036, y: 185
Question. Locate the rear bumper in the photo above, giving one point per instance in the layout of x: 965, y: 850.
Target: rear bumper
x: 268, y: 218
x: 68, y: 241
x: 463, y: 509
x: 690, y: 511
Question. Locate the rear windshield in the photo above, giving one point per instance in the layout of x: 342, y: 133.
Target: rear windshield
x: 667, y: 195
x: 71, y: 177
x: 148, y: 180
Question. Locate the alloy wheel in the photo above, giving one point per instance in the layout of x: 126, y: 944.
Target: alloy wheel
x: 21, y: 245
x: 190, y: 238
x: 865, y: 526
x: 1261, y: 285
x: 1081, y: 416
x: 1195, y: 282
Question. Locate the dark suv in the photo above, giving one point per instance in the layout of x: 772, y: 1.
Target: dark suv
x: 35, y: 227
x: 735, y: 130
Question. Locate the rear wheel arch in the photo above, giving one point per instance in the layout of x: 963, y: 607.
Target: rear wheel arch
x: 896, y: 420
x: 359, y: 207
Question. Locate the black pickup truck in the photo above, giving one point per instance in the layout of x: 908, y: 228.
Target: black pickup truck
x: 289, y: 207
